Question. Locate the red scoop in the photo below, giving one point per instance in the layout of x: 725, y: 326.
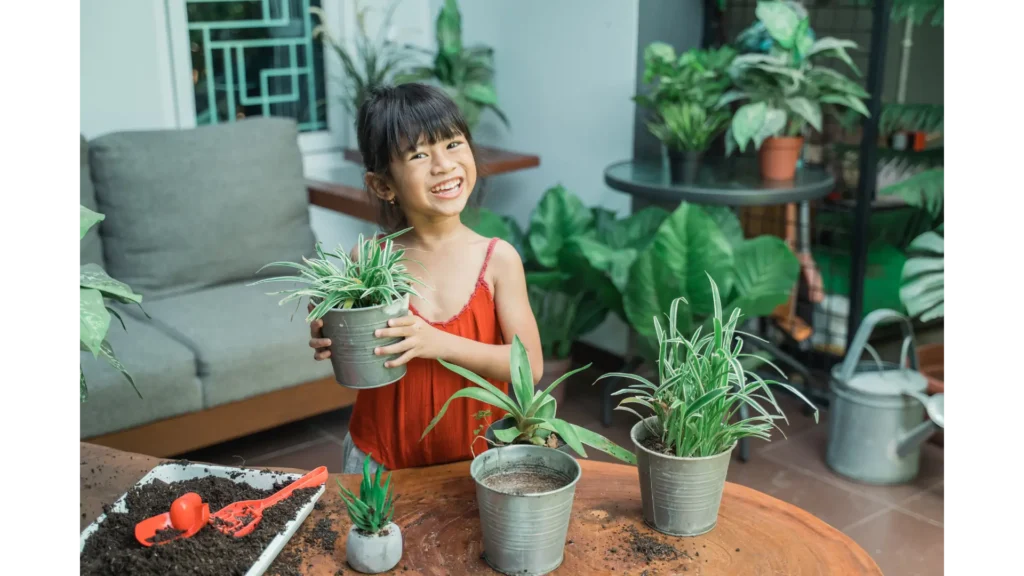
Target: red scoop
x: 241, y: 518
x: 188, y: 515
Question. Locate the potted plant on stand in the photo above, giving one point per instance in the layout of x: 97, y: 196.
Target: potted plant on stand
x: 683, y: 96
x: 783, y: 89
x: 683, y: 450
x: 354, y: 298
x: 374, y: 543
x: 525, y: 487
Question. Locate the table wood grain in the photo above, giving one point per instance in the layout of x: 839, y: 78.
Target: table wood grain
x: 436, y: 509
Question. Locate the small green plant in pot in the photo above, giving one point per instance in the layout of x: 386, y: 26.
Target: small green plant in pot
x: 374, y: 542
x: 354, y: 297
x: 783, y: 90
x: 683, y: 96
x: 683, y: 449
x: 529, y: 472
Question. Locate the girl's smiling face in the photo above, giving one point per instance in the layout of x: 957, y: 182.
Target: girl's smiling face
x: 432, y: 179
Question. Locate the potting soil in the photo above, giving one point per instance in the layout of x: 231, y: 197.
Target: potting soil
x: 522, y: 481
x: 113, y: 549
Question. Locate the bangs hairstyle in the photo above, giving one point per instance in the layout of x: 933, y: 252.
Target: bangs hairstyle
x: 391, y: 122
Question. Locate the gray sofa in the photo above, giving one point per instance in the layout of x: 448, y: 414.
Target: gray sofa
x: 191, y: 215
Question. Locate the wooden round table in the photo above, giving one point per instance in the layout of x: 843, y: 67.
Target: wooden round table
x: 756, y: 534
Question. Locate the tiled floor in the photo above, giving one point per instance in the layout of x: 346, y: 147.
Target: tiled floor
x: 901, y: 526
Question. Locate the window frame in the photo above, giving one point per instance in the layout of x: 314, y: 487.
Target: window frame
x: 311, y: 143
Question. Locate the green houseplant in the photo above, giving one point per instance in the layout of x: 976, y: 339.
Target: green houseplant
x: 354, y: 297
x: 683, y: 449
x: 96, y: 289
x: 577, y: 263
x: 375, y: 60
x: 517, y: 539
x: 783, y: 90
x: 465, y: 74
x: 374, y: 543
x: 683, y: 93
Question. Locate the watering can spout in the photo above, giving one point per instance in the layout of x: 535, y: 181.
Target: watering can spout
x: 910, y: 440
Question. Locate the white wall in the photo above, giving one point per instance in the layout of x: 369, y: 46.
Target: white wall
x: 566, y: 71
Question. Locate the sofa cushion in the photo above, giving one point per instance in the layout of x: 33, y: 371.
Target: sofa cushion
x: 163, y: 369
x: 90, y: 249
x: 245, y: 343
x: 188, y: 209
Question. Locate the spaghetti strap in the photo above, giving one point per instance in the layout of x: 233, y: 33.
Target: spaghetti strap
x: 487, y: 260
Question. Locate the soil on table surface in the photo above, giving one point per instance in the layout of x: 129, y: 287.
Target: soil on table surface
x: 523, y: 480
x: 113, y: 550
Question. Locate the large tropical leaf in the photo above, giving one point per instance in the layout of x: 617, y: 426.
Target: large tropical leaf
x: 922, y: 288
x: 87, y: 219
x: 766, y: 272
x: 727, y: 222
x: 924, y: 190
x: 93, y: 276
x: 94, y: 320
x: 449, y: 29
x: 559, y: 216
x: 780, y: 20
x: 635, y: 231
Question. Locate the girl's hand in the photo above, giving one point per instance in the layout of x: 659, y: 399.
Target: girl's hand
x: 421, y: 340
x: 317, y: 342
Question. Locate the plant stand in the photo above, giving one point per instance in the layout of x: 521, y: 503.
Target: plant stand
x: 733, y: 182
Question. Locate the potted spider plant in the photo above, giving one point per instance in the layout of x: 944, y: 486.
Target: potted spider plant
x: 354, y: 298
x: 784, y: 89
x: 683, y: 449
x: 683, y: 94
x: 525, y: 487
x: 374, y: 543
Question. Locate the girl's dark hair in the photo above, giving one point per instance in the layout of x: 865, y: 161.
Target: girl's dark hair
x: 391, y: 120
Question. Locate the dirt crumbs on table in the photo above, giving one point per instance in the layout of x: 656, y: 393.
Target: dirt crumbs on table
x: 113, y: 550
x: 522, y: 481
x: 323, y: 536
x: 647, y: 547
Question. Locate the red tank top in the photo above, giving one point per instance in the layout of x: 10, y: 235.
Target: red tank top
x: 387, y: 422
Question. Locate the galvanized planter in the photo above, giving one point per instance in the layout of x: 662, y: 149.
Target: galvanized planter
x: 352, y: 344
x: 680, y: 496
x: 524, y: 535
x: 506, y: 423
x: 877, y: 412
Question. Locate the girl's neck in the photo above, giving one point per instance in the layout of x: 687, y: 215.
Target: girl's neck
x: 433, y: 233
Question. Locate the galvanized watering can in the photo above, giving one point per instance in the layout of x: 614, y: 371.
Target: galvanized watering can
x: 877, y: 414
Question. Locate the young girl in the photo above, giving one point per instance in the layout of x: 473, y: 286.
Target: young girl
x: 419, y: 161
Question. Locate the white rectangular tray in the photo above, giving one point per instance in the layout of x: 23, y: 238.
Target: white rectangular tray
x: 173, y: 472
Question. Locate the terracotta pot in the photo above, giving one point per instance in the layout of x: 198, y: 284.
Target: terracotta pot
x: 779, y: 156
x: 930, y: 357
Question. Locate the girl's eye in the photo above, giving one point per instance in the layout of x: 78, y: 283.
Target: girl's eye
x: 418, y: 155
x: 454, y: 144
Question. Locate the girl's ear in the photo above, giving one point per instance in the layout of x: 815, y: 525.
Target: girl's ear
x: 379, y: 186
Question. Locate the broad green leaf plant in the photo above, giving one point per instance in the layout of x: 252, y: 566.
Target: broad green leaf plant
x: 683, y: 93
x: 532, y: 411
x: 465, y: 74
x: 702, y: 385
x: 96, y: 289
x: 577, y: 261
x: 374, y: 275
x: 755, y: 275
x: 373, y: 509
x: 374, y: 61
x: 780, y: 81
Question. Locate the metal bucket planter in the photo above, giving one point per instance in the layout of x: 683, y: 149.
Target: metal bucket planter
x: 524, y: 535
x: 352, y: 343
x: 876, y: 412
x: 505, y: 424
x: 680, y: 496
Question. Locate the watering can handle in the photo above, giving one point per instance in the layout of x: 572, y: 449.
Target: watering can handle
x: 860, y: 340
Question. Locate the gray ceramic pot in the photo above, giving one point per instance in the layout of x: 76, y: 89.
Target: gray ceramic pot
x: 524, y: 535
x: 680, y: 496
x: 352, y: 344
x: 374, y: 554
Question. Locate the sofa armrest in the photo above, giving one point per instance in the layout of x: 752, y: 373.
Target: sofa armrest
x: 343, y: 199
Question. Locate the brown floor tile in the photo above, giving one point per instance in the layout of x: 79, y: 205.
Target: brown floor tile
x: 323, y: 453
x: 806, y: 451
x: 930, y: 503
x: 901, y: 544
x: 834, y: 505
x: 234, y: 452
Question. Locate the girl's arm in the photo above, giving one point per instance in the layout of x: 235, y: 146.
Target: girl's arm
x: 488, y: 360
x: 514, y: 315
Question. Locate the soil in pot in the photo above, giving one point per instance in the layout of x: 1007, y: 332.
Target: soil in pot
x: 523, y: 480
x: 113, y: 550
x: 778, y: 157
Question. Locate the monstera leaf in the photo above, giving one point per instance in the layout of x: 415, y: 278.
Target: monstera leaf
x: 923, y: 283
x: 559, y: 217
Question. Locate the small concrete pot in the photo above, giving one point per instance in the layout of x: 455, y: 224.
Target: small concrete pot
x: 374, y: 554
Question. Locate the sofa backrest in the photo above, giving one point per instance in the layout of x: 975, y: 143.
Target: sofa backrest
x: 187, y: 209
x: 90, y: 249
